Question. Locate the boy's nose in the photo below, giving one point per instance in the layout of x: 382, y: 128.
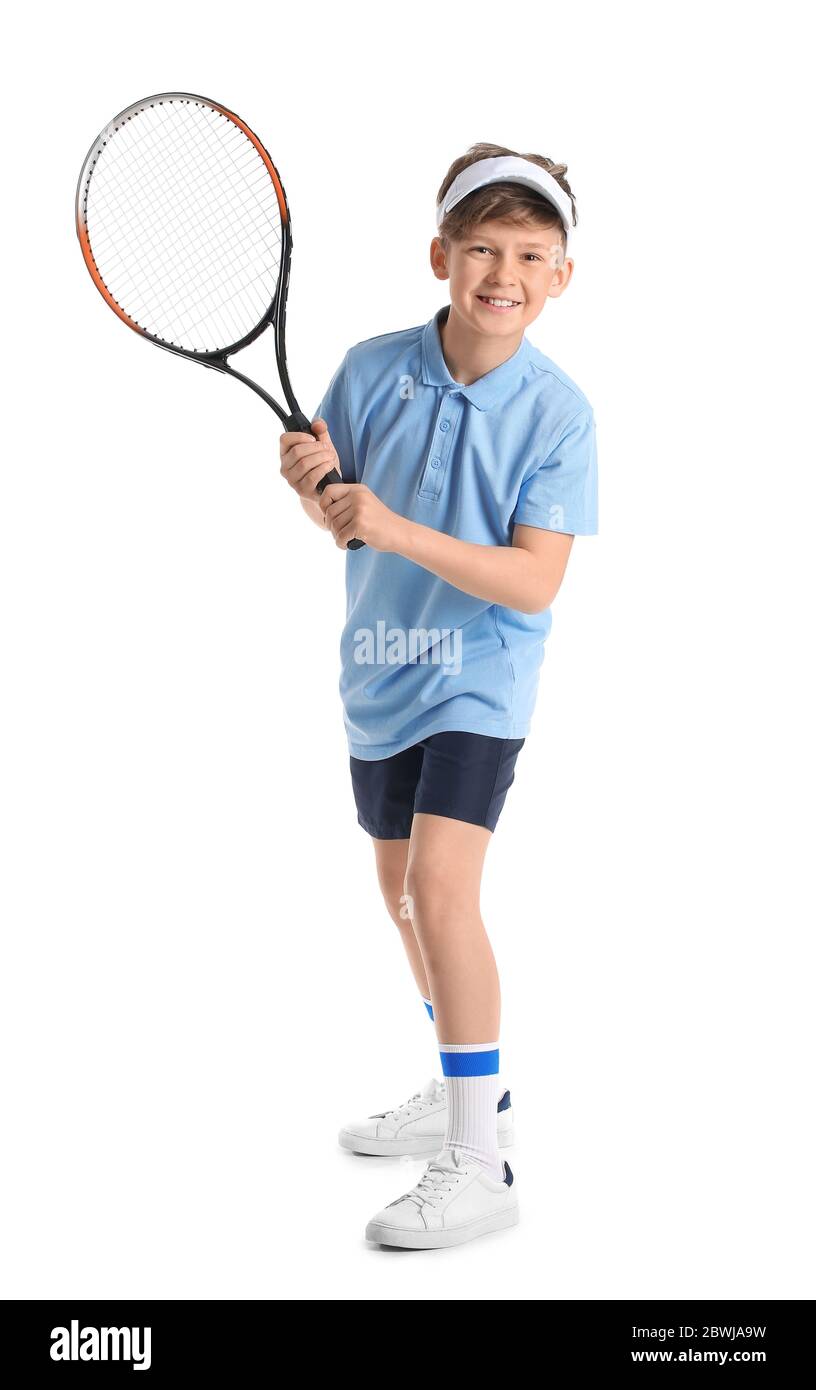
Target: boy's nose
x: 502, y: 275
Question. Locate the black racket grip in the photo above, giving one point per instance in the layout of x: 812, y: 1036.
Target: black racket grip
x: 299, y: 422
x: 334, y: 477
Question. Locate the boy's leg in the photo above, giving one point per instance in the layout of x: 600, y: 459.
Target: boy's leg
x: 443, y: 880
x: 384, y: 792
x: 392, y: 861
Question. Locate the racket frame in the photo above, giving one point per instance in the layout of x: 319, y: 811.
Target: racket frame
x: 293, y: 419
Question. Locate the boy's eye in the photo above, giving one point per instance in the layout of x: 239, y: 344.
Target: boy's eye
x: 528, y: 255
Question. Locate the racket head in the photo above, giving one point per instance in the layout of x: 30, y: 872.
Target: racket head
x: 184, y: 226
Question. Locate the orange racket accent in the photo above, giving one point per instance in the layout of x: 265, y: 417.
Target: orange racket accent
x: 250, y: 134
x: 99, y: 282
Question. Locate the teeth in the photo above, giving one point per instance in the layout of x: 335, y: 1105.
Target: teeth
x: 500, y: 303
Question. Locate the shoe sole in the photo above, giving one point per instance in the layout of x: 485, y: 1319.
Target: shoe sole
x: 438, y: 1240
x: 397, y: 1148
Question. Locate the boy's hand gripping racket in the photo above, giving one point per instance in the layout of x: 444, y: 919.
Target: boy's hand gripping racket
x: 185, y: 229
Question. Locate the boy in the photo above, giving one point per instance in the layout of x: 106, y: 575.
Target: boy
x: 468, y: 464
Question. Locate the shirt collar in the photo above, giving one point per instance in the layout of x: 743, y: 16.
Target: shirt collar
x: 490, y: 389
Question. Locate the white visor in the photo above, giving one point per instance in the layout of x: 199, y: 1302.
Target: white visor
x: 504, y: 169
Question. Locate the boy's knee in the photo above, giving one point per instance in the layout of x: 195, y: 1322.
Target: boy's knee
x: 430, y: 887
x: 393, y: 890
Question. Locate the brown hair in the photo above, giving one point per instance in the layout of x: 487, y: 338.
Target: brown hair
x: 511, y: 202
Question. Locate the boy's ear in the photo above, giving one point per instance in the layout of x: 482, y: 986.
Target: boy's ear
x: 561, y: 278
x: 439, y: 260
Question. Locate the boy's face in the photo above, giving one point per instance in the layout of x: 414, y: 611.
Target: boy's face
x: 522, y: 263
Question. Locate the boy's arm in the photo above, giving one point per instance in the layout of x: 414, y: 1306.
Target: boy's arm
x: 525, y: 575
x: 557, y: 502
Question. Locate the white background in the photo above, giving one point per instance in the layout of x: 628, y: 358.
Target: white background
x: 199, y: 980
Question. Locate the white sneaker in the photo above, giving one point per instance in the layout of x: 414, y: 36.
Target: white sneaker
x: 416, y: 1127
x: 455, y: 1200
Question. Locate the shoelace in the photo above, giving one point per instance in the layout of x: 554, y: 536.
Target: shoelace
x: 415, y: 1102
x: 435, y: 1181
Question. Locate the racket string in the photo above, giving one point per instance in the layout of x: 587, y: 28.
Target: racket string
x: 209, y: 224
x: 205, y: 192
x: 219, y: 277
x: 184, y: 225
x: 251, y: 160
x: 127, y: 201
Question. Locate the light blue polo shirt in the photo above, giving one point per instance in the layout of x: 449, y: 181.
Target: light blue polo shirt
x: 419, y: 656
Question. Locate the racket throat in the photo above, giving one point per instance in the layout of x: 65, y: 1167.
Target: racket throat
x: 221, y: 364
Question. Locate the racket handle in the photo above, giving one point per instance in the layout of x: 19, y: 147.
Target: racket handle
x: 334, y: 477
x: 299, y: 422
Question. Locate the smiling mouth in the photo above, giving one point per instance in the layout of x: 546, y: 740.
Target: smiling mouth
x: 499, y: 305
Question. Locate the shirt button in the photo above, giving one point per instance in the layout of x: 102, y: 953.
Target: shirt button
x: 434, y: 463
x: 445, y: 425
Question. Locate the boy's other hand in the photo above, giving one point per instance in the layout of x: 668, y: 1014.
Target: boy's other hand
x: 352, y: 509
x: 306, y: 458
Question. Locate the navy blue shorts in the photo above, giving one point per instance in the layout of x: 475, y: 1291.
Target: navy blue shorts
x: 463, y: 776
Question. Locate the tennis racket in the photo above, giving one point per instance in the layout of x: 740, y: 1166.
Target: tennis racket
x: 185, y: 229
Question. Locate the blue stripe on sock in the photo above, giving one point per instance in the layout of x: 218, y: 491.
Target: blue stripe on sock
x: 428, y: 1006
x: 470, y: 1063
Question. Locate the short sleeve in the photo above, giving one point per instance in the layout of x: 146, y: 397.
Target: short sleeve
x: 334, y: 409
x: 562, y: 493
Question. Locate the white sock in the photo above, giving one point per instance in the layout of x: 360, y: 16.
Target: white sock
x: 471, y: 1084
